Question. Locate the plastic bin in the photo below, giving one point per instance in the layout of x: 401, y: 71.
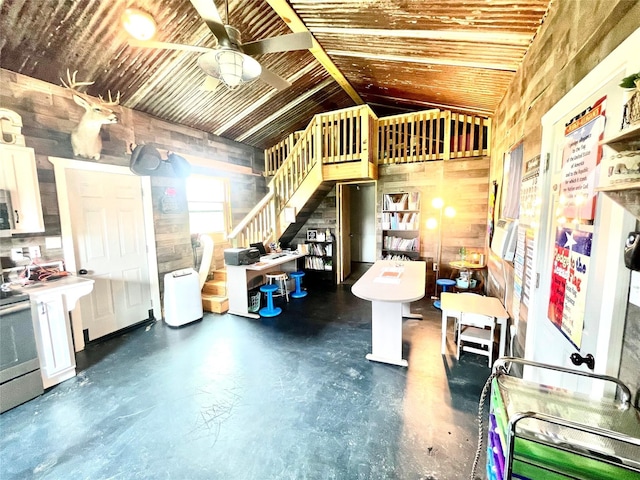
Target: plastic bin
x: 254, y: 301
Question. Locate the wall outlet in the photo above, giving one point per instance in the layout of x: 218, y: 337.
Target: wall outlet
x: 34, y: 252
x: 16, y: 254
x: 435, y: 266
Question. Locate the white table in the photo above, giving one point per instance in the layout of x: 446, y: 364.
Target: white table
x: 390, y: 286
x: 239, y: 276
x: 453, y: 304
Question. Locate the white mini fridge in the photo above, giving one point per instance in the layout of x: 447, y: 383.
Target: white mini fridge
x: 182, y: 301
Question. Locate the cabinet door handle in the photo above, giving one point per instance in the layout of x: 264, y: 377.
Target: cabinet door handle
x: 17, y: 216
x: 43, y: 306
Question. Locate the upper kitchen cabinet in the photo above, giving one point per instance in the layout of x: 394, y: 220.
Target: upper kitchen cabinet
x: 20, y: 205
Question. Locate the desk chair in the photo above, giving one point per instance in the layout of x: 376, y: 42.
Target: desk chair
x: 479, y: 330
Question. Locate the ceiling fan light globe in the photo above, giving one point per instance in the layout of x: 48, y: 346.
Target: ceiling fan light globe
x: 230, y: 65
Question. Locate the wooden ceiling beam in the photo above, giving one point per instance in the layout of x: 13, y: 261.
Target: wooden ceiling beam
x: 291, y: 18
x: 482, y: 37
x: 424, y: 61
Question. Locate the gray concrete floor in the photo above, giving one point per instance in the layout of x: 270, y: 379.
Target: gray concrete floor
x: 234, y: 398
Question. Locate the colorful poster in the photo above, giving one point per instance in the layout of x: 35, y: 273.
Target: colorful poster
x: 580, y: 157
x: 569, y: 274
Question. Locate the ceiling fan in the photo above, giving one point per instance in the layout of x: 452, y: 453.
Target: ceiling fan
x: 230, y: 62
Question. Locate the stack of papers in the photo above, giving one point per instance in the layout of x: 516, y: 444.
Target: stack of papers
x: 389, y: 275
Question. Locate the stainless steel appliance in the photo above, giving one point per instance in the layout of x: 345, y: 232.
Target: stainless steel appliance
x: 20, y: 378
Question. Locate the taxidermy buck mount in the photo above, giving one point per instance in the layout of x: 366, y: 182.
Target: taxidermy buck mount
x: 85, y: 138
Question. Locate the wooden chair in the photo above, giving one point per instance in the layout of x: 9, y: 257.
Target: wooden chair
x: 479, y: 330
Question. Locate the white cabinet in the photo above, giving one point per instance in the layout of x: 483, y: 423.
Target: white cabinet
x: 19, y: 177
x: 53, y: 338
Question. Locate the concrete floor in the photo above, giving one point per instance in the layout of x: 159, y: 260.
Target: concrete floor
x: 234, y: 398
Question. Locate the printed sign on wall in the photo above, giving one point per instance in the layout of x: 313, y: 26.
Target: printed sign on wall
x: 580, y: 157
x: 569, y: 274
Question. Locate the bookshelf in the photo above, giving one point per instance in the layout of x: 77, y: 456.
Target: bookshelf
x: 319, y: 264
x: 401, y: 225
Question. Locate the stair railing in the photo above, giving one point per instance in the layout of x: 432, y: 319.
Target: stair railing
x: 259, y: 225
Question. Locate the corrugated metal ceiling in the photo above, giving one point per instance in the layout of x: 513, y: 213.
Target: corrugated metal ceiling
x: 398, y: 55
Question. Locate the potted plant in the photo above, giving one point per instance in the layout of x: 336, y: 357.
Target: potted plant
x: 632, y: 81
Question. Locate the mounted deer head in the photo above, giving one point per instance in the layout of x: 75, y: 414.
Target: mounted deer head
x: 85, y: 138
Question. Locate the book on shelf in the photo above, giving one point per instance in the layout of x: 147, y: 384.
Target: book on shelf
x: 395, y: 201
x: 317, y: 263
x: 398, y: 243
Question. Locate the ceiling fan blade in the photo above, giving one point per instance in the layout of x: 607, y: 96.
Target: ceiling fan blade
x: 283, y: 43
x: 209, y: 13
x: 210, y: 84
x: 273, y: 79
x: 168, y: 46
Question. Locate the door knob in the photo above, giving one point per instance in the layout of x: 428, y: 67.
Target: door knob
x: 578, y: 360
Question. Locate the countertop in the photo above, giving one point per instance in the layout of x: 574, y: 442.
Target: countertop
x: 70, y: 286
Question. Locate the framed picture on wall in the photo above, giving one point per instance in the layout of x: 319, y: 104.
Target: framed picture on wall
x: 312, y: 234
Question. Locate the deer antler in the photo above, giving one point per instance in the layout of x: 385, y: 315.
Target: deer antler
x: 111, y: 101
x: 73, y: 84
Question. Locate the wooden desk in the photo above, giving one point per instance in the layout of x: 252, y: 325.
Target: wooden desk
x: 239, y: 276
x: 453, y: 304
x: 390, y: 300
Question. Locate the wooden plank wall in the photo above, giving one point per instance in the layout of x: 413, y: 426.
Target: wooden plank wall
x: 462, y: 184
x: 49, y: 114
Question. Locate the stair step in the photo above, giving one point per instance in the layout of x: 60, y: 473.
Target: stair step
x: 215, y: 303
x: 219, y: 274
x: 215, y: 287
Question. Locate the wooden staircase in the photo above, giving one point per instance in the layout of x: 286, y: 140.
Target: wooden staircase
x: 348, y: 145
x: 214, y: 293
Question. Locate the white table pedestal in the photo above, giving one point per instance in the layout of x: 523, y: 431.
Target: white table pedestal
x: 386, y: 333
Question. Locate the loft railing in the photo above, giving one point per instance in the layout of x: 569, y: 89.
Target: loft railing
x: 470, y: 136
x: 412, y: 137
x: 276, y: 155
x: 295, y: 168
x: 334, y: 137
x: 432, y: 135
x: 356, y: 134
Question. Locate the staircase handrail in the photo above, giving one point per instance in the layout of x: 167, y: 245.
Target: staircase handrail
x: 251, y: 215
x: 279, y: 177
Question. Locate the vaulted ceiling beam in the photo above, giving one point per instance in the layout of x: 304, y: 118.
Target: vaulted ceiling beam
x: 291, y: 18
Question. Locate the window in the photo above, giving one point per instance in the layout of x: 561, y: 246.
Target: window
x: 208, y: 202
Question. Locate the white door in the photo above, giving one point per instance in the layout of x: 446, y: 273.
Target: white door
x: 107, y: 224
x: 608, y: 280
x: 344, y: 236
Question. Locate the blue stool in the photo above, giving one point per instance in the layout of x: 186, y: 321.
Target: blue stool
x: 445, y: 283
x: 298, y: 293
x: 269, y: 310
